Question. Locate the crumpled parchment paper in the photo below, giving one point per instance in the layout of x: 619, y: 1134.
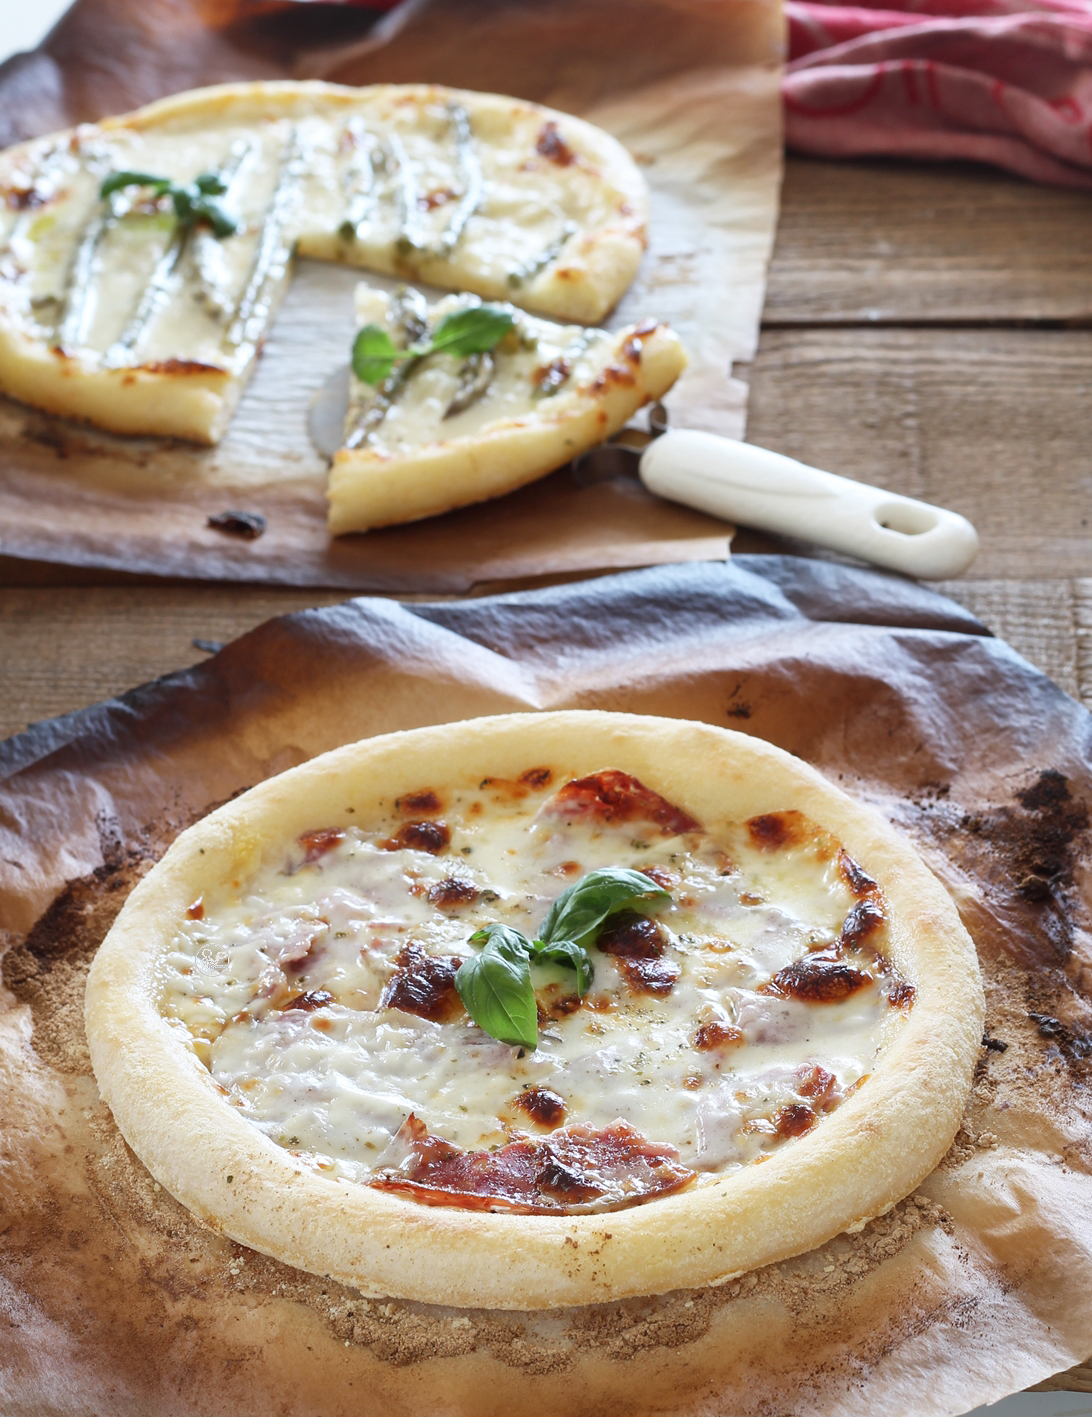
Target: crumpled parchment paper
x: 115, y: 1300
x: 690, y: 86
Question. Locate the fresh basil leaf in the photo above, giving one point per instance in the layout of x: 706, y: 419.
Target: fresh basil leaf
x: 475, y: 330
x: 373, y: 354
x: 580, y: 910
x: 211, y: 184
x: 212, y: 212
x: 117, y: 180
x: 192, y: 206
x: 495, y: 987
x: 570, y: 954
x: 505, y: 938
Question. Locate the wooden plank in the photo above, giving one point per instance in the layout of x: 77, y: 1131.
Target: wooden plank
x: 887, y: 241
x: 1048, y: 622
x: 66, y: 648
x: 996, y: 424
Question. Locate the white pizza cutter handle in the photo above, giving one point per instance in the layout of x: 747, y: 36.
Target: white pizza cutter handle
x: 757, y: 488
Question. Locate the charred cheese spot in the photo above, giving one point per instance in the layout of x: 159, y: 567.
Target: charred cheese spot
x: 795, y: 1119
x: 819, y: 978
x: 544, y: 1107
x: 317, y: 843
x: 613, y: 797
x: 775, y: 830
x: 418, y: 804
x: 717, y: 1035
x: 855, y: 876
x: 312, y: 999
x: 863, y: 920
x: 423, y: 985
x: 550, y: 144
x: 433, y: 837
x: 451, y: 893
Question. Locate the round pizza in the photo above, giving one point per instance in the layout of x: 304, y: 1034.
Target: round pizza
x: 142, y: 258
x: 536, y: 1011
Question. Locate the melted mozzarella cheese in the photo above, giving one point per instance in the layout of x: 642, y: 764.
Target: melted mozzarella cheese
x: 335, y: 1083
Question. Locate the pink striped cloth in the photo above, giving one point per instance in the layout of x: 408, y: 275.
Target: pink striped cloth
x: 1002, y: 81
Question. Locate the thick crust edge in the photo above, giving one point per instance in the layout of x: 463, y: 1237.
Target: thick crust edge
x: 863, y: 1159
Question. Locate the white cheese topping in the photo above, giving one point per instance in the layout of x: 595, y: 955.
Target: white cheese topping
x: 336, y: 1076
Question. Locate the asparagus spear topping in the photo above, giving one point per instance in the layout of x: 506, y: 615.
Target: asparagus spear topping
x: 522, y: 274
x: 369, y: 156
x: 273, y: 253
x: 413, y: 238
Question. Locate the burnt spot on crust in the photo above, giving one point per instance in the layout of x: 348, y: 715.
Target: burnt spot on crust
x: 578, y: 1168
x: 774, y: 830
x: 433, y: 837
x: 317, y: 843
x: 794, y: 1120
x: 196, y: 911
x: 819, y: 978
x: 716, y: 1034
x: 613, y: 797
x: 544, y: 1107
x: 418, y: 804
x: 424, y: 985
x: 451, y: 893
x: 537, y: 778
x: 308, y: 1002
x: 856, y: 877
x: 865, y: 918
x: 634, y: 346
x: 176, y: 367
x: 901, y: 994
x: 550, y: 144
x: 613, y: 376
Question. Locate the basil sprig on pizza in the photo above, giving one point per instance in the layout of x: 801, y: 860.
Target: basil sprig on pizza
x: 495, y: 985
x: 756, y: 1013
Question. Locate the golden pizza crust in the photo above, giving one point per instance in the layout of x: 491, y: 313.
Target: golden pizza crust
x: 174, y: 395
x: 371, y: 488
x: 867, y: 1155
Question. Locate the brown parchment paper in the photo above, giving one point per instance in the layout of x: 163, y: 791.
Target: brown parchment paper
x: 115, y: 1301
x: 690, y: 86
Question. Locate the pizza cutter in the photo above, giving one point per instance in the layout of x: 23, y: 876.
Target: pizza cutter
x: 757, y: 488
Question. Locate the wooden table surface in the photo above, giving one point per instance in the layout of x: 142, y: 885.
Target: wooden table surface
x: 928, y: 329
